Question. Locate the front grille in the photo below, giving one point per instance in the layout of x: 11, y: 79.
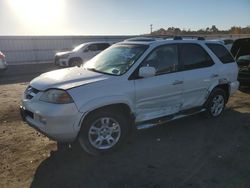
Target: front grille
x: 57, y: 59
x: 30, y: 92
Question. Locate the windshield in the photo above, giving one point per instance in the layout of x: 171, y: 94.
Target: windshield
x: 78, y: 47
x: 117, y: 59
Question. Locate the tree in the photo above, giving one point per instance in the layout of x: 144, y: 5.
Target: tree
x: 214, y: 29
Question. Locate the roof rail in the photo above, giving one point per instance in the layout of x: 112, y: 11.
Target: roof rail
x: 142, y: 39
x: 177, y: 38
x: 201, y: 38
x: 192, y: 37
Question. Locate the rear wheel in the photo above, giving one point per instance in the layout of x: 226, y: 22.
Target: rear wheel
x: 103, y: 131
x: 216, y: 103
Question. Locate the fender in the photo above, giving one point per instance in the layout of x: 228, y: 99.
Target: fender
x: 96, y: 103
x: 217, y: 83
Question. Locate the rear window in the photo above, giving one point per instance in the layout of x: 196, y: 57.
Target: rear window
x: 221, y: 52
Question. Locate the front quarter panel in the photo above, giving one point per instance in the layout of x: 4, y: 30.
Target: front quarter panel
x: 95, y: 95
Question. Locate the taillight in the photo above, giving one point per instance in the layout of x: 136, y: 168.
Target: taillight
x: 2, y: 56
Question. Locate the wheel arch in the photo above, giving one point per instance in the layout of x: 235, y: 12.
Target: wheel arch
x: 223, y: 86
x: 119, y: 106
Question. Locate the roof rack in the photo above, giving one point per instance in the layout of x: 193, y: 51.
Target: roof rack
x: 157, y: 38
x: 192, y: 37
x: 143, y: 39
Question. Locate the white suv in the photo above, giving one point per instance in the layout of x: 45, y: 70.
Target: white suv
x: 80, y: 54
x: 131, y: 84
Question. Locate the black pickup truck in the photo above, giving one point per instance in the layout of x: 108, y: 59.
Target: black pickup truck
x: 241, y: 52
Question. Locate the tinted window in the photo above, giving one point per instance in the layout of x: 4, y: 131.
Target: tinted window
x: 193, y: 56
x: 221, y: 52
x: 102, y: 46
x: 93, y: 47
x: 164, y: 59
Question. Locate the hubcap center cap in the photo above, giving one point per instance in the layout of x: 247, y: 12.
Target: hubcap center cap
x: 105, y: 132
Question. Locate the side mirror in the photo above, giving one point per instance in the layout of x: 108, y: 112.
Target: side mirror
x: 146, y: 72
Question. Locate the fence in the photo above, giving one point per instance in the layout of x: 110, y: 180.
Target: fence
x: 25, y: 49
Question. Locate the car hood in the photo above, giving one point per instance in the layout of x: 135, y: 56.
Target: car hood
x: 241, y: 47
x: 63, y: 53
x: 67, y: 78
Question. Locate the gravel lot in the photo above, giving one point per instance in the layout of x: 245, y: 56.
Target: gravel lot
x: 190, y: 152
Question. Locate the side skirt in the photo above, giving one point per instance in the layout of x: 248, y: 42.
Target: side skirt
x: 159, y: 121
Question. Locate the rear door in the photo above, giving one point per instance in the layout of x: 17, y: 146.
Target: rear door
x: 199, y: 73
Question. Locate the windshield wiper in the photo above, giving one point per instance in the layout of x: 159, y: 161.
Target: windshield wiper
x: 94, y: 70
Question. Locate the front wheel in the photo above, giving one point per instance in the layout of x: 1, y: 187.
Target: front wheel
x: 103, y: 131
x: 216, y: 103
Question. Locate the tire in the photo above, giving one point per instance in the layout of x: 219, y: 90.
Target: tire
x: 216, y: 103
x: 103, y: 131
x: 75, y: 62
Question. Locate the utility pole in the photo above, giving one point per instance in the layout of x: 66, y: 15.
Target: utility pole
x: 151, y: 28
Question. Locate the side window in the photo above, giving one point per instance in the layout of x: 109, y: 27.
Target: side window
x: 103, y: 46
x: 221, y: 52
x: 92, y: 47
x: 193, y: 56
x: 164, y: 59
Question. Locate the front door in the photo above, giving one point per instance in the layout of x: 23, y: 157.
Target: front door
x: 159, y: 95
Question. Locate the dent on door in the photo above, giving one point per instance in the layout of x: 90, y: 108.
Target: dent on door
x: 157, y: 97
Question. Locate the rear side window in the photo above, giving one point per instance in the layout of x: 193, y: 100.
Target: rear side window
x: 102, y: 46
x: 221, y: 52
x: 93, y: 47
x: 193, y: 56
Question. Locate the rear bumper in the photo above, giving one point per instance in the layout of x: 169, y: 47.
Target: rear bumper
x: 234, y: 86
x: 3, y: 65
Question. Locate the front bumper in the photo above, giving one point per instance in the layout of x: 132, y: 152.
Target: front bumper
x: 58, y: 122
x: 61, y: 62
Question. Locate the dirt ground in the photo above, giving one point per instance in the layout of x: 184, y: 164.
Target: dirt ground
x: 190, y: 152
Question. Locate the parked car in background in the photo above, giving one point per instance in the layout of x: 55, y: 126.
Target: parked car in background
x: 133, y: 84
x: 241, y: 52
x: 3, y: 63
x: 227, y: 42
x: 80, y: 54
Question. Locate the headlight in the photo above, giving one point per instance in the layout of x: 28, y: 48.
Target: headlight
x: 56, y: 96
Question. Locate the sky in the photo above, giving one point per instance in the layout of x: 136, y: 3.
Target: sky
x: 117, y: 17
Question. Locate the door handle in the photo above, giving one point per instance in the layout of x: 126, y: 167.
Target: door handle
x: 214, y: 75
x: 176, y: 82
